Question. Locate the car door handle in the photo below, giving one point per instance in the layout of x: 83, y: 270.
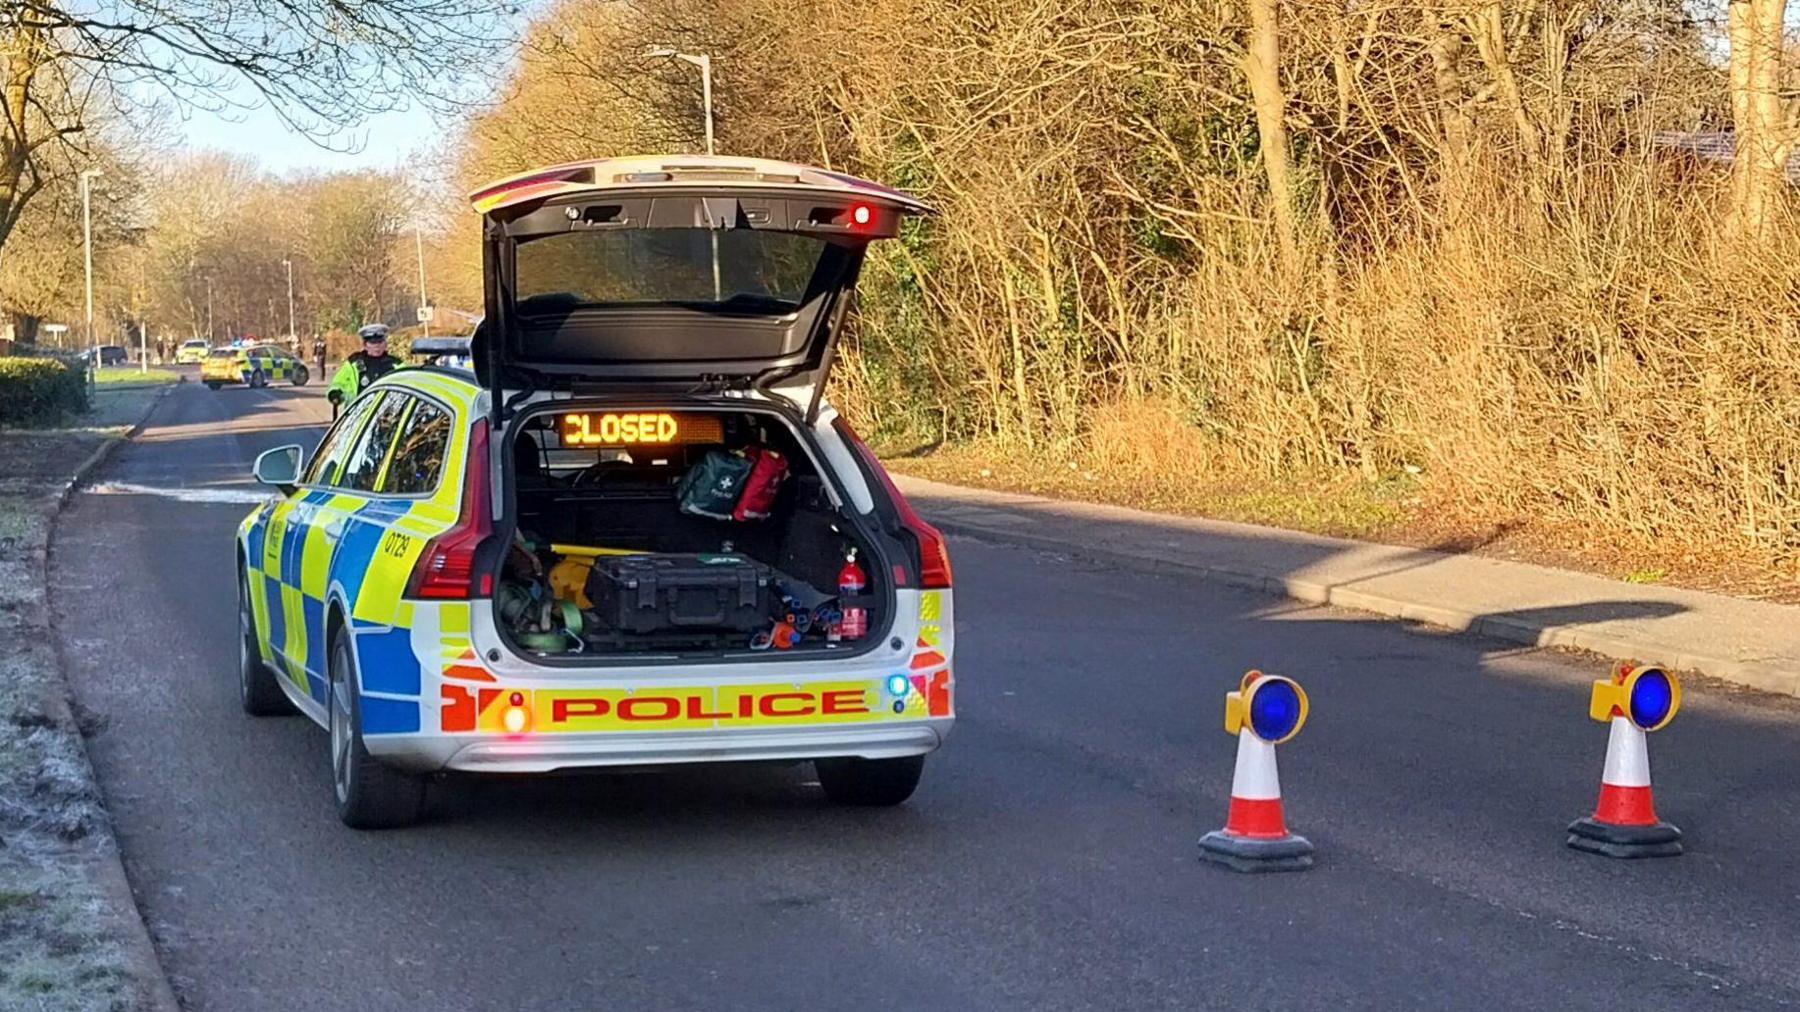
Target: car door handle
x: 333, y: 529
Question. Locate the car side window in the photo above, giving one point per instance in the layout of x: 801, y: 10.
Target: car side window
x: 328, y: 460
x: 419, y: 455
x: 364, y: 464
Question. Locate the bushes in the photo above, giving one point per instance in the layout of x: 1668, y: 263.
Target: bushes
x: 40, y: 391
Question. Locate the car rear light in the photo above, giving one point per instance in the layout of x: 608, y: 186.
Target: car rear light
x: 446, y: 568
x: 934, y: 552
x: 519, y: 188
x: 516, y: 719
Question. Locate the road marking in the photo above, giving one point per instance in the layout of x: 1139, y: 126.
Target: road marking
x: 243, y: 497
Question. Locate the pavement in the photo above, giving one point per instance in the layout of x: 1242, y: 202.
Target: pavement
x: 1047, y: 862
x: 1750, y: 643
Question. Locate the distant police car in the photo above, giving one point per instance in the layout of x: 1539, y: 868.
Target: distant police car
x: 451, y: 352
x: 253, y: 366
x: 192, y: 352
x: 652, y: 325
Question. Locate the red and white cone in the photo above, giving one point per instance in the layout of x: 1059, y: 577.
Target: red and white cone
x: 1624, y: 823
x: 1256, y: 837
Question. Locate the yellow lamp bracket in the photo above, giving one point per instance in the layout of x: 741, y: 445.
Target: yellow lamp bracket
x: 1611, y: 697
x: 1238, y: 714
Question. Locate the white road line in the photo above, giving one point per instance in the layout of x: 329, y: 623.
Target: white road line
x: 243, y: 497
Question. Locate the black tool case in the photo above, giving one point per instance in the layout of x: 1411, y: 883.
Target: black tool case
x: 650, y: 594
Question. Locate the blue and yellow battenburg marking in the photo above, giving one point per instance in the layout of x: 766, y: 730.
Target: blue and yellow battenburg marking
x: 303, y: 550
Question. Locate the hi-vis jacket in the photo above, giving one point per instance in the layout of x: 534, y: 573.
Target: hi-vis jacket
x: 357, y: 372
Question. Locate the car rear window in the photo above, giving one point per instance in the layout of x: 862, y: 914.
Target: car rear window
x: 758, y: 271
x: 222, y: 353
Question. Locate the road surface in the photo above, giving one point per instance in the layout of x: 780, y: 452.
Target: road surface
x: 1047, y: 862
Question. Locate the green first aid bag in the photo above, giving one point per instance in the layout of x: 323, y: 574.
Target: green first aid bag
x: 711, y: 487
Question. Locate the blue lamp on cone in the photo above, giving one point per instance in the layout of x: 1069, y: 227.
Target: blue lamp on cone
x: 1265, y: 711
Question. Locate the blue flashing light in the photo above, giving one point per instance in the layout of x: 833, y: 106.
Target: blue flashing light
x: 898, y: 686
x: 1274, y: 710
x: 1651, y: 697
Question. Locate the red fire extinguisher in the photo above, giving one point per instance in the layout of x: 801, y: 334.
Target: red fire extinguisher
x: 851, y: 581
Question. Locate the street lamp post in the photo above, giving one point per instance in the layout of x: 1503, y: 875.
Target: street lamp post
x: 209, y: 329
x: 87, y: 254
x: 137, y: 313
x: 704, y: 62
x: 424, y: 303
x: 293, y: 341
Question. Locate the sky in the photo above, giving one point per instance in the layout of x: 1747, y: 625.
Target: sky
x: 385, y: 142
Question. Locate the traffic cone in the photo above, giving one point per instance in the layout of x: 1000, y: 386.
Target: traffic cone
x: 1255, y: 837
x: 1624, y: 823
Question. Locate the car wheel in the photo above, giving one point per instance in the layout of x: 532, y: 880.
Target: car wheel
x: 213, y: 384
x: 870, y: 782
x: 369, y: 794
x: 258, y: 691
x: 301, y: 376
x: 258, y: 380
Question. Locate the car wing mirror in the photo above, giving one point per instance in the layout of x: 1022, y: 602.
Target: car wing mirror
x: 280, y: 467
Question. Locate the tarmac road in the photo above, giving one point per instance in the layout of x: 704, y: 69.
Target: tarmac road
x: 1047, y: 862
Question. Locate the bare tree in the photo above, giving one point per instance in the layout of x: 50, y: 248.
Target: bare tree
x: 1764, y: 129
x: 322, y: 65
x: 1508, y: 285
x: 1262, y: 69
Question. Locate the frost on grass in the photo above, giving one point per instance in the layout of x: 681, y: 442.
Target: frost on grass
x: 54, y: 952
x: 58, y: 931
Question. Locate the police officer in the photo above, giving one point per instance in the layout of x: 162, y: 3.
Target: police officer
x: 362, y: 368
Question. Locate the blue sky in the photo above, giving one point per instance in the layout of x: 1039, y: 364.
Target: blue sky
x: 385, y: 142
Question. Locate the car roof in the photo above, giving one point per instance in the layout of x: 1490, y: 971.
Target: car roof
x: 678, y: 172
x: 455, y: 385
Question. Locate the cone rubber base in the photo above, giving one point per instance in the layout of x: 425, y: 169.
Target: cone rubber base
x: 1615, y: 840
x: 1253, y: 853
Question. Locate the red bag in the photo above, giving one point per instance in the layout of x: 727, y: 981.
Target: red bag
x: 767, y: 469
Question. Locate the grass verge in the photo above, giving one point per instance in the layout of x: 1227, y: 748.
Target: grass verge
x: 1340, y: 508
x: 59, y: 944
x: 66, y: 937
x: 1401, y: 510
x: 119, y: 374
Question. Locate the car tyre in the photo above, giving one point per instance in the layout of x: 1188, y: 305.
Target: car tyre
x: 870, y: 783
x: 258, y: 380
x: 213, y: 384
x: 301, y: 376
x: 258, y: 690
x: 369, y: 794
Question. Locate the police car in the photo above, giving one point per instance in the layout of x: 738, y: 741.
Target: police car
x: 252, y: 365
x: 192, y: 352
x: 633, y: 534
x: 449, y: 351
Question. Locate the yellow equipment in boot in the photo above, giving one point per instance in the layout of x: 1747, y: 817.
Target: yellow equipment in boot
x: 568, y: 578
